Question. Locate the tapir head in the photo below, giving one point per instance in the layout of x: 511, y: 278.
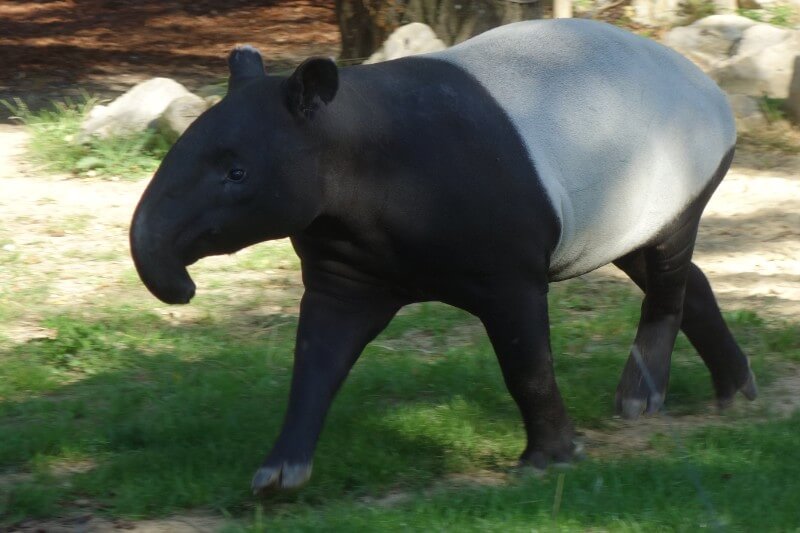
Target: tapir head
x: 245, y: 171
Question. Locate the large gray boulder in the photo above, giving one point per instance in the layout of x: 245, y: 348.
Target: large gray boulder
x: 709, y: 41
x: 134, y: 111
x: 179, y: 114
x: 748, y: 113
x: 411, y: 39
x: 763, y: 62
x: 743, y: 56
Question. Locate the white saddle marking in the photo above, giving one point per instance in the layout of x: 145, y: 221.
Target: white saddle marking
x: 623, y: 131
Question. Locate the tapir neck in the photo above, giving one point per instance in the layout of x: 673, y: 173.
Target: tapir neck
x: 407, y: 168
x: 364, y: 136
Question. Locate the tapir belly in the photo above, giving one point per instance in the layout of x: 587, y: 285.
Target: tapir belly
x: 623, y: 133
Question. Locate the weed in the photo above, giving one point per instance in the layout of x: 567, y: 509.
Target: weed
x: 783, y: 15
x: 753, y: 14
x: 773, y: 108
x: 53, y: 145
x: 692, y: 10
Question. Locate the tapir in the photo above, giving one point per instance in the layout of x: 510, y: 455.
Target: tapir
x: 474, y: 176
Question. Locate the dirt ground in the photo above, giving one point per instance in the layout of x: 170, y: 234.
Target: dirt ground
x: 52, y: 49
x: 749, y: 247
x: 749, y: 243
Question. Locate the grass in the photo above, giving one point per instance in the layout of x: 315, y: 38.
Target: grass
x: 176, y: 416
x: 776, y: 138
x: 784, y: 15
x: 144, y: 411
x: 694, y: 10
x: 637, y: 494
x: 53, y: 144
x: 773, y: 108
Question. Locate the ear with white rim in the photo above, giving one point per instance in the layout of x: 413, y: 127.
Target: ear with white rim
x: 245, y: 64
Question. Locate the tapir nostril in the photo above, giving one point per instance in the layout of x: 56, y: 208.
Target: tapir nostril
x: 191, y: 292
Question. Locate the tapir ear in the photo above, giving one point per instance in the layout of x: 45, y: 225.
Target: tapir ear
x: 245, y: 65
x: 315, y: 80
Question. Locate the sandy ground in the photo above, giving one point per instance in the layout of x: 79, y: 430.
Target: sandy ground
x: 749, y: 246
x: 749, y: 243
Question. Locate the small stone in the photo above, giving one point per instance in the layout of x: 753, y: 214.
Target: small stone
x: 411, y: 39
x: 134, y: 111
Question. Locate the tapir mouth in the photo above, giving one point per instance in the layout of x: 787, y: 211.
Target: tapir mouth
x: 167, y: 279
x: 161, y: 267
x: 181, y: 291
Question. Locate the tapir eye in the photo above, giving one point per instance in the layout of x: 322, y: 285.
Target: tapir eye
x: 236, y: 174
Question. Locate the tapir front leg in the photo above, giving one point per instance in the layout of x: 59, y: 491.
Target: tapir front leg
x: 518, y: 327
x: 331, y: 334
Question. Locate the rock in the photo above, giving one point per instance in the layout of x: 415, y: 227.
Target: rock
x: 411, y: 39
x: 748, y: 113
x: 179, y: 114
x: 743, y: 56
x: 709, y: 41
x: 763, y: 63
x: 134, y: 111
x: 89, y: 162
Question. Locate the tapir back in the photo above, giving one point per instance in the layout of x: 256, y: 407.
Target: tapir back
x: 623, y: 132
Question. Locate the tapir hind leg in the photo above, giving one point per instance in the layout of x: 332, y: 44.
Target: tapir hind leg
x: 707, y: 331
x: 664, y: 270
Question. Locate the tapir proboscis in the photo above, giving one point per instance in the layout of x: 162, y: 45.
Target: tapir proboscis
x: 475, y: 176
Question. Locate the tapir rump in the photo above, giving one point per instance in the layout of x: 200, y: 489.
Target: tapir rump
x: 475, y: 176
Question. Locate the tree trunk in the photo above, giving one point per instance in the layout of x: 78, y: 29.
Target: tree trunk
x: 458, y: 20
x: 365, y: 24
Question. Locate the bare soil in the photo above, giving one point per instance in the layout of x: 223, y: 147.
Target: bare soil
x: 749, y: 243
x: 52, y: 49
x: 749, y: 246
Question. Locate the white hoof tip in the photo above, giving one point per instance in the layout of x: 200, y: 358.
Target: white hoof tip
x: 632, y: 408
x: 283, y: 477
x: 579, y: 452
x: 750, y: 389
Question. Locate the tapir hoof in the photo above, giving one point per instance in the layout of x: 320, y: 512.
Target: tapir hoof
x: 539, y: 461
x: 749, y: 390
x: 633, y: 408
x: 282, y: 477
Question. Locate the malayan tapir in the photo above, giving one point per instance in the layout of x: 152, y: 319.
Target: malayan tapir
x: 475, y: 176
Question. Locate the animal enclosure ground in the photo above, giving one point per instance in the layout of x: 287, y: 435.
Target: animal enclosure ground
x: 117, y: 412
x: 58, y: 48
x: 115, y: 408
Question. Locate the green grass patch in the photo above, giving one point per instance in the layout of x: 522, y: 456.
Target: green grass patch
x: 745, y: 464
x: 784, y: 15
x: 694, y: 10
x: 176, y: 417
x: 53, y: 143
